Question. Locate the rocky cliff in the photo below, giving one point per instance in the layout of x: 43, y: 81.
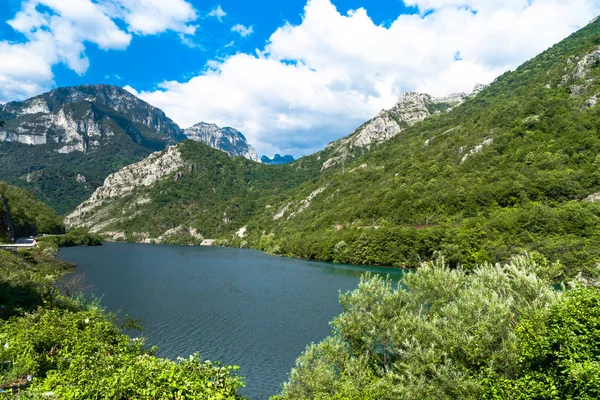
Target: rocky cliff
x: 227, y: 139
x: 410, y: 109
x: 61, y: 145
x: 121, y: 184
x: 85, y: 117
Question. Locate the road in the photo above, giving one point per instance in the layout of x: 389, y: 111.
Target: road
x: 22, y: 243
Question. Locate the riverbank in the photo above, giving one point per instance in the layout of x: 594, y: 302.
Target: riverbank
x: 56, y: 346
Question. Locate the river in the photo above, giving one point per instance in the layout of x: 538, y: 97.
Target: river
x: 239, y: 306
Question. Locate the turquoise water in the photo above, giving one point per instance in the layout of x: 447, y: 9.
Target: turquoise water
x: 241, y: 307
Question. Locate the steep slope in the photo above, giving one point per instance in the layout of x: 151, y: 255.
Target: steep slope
x: 62, y: 144
x: 408, y: 110
x: 21, y: 215
x: 229, y: 140
x: 184, y: 194
x: 511, y: 169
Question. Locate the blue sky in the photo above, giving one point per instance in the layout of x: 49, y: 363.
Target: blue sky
x: 293, y: 75
x: 154, y: 58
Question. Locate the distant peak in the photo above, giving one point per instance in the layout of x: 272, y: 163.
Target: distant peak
x: 277, y: 159
x: 226, y: 139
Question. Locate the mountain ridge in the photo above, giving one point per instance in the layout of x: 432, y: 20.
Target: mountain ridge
x: 227, y: 139
x: 467, y: 183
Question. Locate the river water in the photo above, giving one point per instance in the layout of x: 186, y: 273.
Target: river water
x: 241, y: 307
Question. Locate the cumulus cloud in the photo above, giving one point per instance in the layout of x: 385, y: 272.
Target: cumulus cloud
x: 243, y: 30
x: 149, y: 17
x: 56, y: 32
x: 217, y: 12
x: 316, y: 81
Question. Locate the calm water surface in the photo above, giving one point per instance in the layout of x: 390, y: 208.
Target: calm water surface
x: 241, y: 307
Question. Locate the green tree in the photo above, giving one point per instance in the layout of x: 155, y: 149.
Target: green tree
x: 559, y: 352
x: 434, y: 336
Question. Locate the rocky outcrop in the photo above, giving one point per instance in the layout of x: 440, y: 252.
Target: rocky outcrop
x: 578, y: 71
x: 300, y: 207
x: 410, y: 109
x: 227, y: 139
x: 122, y: 183
x: 84, y: 117
x: 477, y: 149
x: 584, y: 65
x: 593, y: 198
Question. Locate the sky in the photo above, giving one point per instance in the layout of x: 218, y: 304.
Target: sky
x: 291, y: 75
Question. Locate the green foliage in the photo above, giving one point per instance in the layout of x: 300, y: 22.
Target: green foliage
x: 27, y: 282
x: 83, y: 355
x: 28, y: 214
x: 504, y: 173
x: 52, y: 346
x: 559, y: 352
x: 436, y: 336
x: 75, y: 237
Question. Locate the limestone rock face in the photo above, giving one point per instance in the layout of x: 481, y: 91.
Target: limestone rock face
x: 410, y: 109
x: 583, y: 66
x: 85, y: 117
x: 229, y: 140
x: 593, y: 198
x: 123, y: 182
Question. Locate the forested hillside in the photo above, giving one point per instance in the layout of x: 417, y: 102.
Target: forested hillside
x: 513, y: 169
x: 22, y: 214
x: 62, y: 144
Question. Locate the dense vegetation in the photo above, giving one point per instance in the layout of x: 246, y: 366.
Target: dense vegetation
x: 495, y: 332
x: 130, y: 130
x: 213, y: 193
x: 27, y: 215
x: 55, y: 346
x: 508, y: 171
x: 514, y: 169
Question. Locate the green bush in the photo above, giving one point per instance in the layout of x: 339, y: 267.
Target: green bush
x: 435, y: 336
x: 83, y: 355
x: 559, y: 352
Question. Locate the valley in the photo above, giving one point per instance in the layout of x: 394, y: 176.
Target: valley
x: 448, y: 248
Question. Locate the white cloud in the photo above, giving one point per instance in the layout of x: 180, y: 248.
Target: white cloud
x: 217, y: 12
x: 56, y: 31
x: 316, y: 81
x: 149, y: 17
x: 243, y: 30
x: 54, y: 35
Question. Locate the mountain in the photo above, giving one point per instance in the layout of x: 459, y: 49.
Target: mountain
x: 83, y: 118
x: 277, y: 160
x: 183, y: 194
x: 21, y: 215
x: 409, y: 109
x: 512, y: 168
x: 226, y: 139
x: 62, y: 144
